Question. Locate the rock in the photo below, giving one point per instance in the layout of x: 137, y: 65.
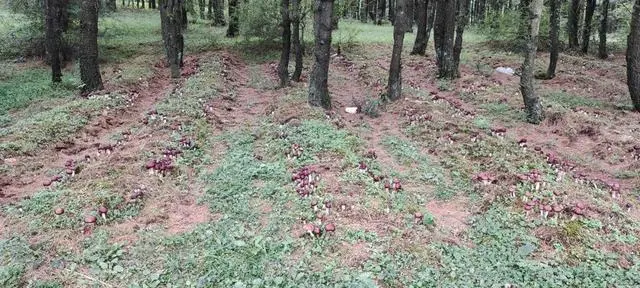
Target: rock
x: 351, y: 110
x: 505, y: 70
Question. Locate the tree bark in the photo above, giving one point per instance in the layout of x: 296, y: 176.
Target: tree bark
x: 89, y: 68
x: 591, y: 7
x: 554, y: 35
x: 201, y: 6
x: 318, y: 90
x: 152, y: 4
x: 295, y: 34
x: 232, y: 31
x: 394, y: 85
x: 171, y: 21
x: 283, y: 66
x: 53, y: 37
x: 462, y: 18
x: 410, y: 15
x: 210, y: 5
x: 382, y: 6
x: 573, y: 26
x: 218, y: 13
x: 420, y: 44
x: 633, y: 57
x: 532, y: 104
x: 443, y: 34
x: 185, y: 21
x: 392, y: 10
x: 371, y: 9
x: 602, y: 33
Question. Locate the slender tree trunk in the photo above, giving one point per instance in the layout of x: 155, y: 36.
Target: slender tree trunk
x: 53, y: 37
x: 89, y: 68
x: 184, y: 18
x: 171, y: 21
x: 318, y: 90
x: 461, y: 22
x: 573, y: 26
x: 283, y: 67
x: 602, y: 33
x: 297, y: 48
x: 554, y: 27
x: 110, y: 5
x: 392, y: 10
x: 232, y: 31
x: 482, y: 8
x: 431, y: 13
x: 443, y: 34
x: 362, y: 10
x: 410, y: 14
x: 591, y: 7
x: 201, y: 6
x: 382, y: 6
x: 218, y: 13
x: 633, y: 57
x: 395, y: 71
x: 531, y: 100
x: 371, y: 9
x: 152, y: 4
x: 210, y: 5
x: 420, y: 45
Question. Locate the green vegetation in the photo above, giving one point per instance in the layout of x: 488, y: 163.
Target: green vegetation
x: 228, y: 214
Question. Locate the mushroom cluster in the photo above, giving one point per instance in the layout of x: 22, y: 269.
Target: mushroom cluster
x: 534, y: 177
x: 70, y: 167
x: 306, y: 181
x: 314, y: 230
x: 614, y: 187
x: 171, y: 153
x: 415, y: 118
x: 295, y: 151
x: 545, y: 209
x: 498, y: 131
x: 392, y: 185
x: 53, y: 179
x: 105, y: 148
x: 523, y: 143
x: 578, y: 210
x: 163, y: 166
x: 485, y: 178
x: 187, y: 143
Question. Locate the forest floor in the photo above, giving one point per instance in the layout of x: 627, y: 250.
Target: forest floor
x: 228, y: 215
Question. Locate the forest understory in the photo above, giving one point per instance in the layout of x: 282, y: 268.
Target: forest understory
x: 222, y: 179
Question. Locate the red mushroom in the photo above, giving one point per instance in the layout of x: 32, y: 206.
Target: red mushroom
x: 90, y: 219
x: 330, y: 227
x: 103, y: 212
x: 59, y: 211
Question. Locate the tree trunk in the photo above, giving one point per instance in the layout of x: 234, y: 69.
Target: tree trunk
x: 633, y: 56
x: 462, y: 18
x: 591, y: 7
x: 283, y: 67
x: 318, y: 90
x: 382, y: 6
x: 531, y: 100
x: 554, y: 27
x: 232, y: 31
x: 210, y: 5
x: 297, y: 48
x: 152, y: 4
x: 602, y: 33
x: 110, y: 5
x: 89, y: 68
x: 201, y: 6
x: 185, y: 21
x: 218, y: 13
x: 371, y: 9
x: 392, y: 10
x: 573, y: 26
x: 53, y: 37
x: 362, y: 10
x: 395, y: 70
x: 420, y: 45
x: 482, y: 8
x: 410, y: 15
x: 171, y: 21
x: 443, y: 34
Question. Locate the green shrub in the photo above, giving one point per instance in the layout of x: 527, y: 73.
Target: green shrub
x: 260, y: 19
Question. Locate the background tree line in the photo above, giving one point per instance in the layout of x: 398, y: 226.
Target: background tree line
x: 69, y: 29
